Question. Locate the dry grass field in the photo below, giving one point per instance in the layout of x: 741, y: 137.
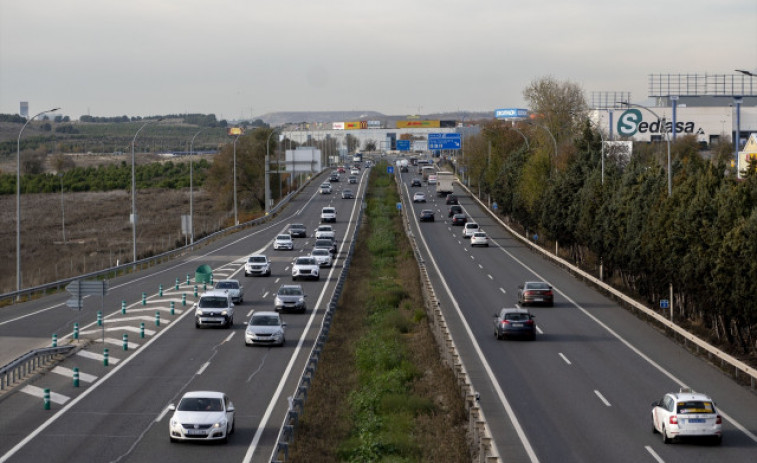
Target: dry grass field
x: 97, y: 229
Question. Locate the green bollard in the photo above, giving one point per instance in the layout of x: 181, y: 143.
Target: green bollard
x: 126, y: 341
x: 47, y: 399
x: 99, y: 318
x: 76, y: 331
x: 76, y: 376
x: 188, y: 279
x: 195, y: 290
x: 183, y: 298
x: 142, y: 330
x: 177, y: 284
x: 172, y: 308
x: 204, y: 286
x: 106, y: 354
x: 123, y: 307
x: 144, y: 298
x: 55, y: 340
x: 157, y: 318
x: 160, y: 290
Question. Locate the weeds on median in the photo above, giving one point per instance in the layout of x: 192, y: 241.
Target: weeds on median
x: 381, y: 392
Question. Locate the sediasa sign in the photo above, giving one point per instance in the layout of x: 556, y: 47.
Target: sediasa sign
x: 631, y: 122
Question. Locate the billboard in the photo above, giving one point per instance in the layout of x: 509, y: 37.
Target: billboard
x: 354, y: 125
x: 511, y: 113
x: 418, y: 124
x: 302, y: 160
x: 338, y: 126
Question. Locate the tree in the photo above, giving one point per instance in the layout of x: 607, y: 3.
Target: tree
x: 352, y: 143
x: 370, y: 145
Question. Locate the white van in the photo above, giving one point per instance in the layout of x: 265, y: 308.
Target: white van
x: 328, y: 214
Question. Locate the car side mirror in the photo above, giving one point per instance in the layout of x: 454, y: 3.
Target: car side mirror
x: 284, y: 324
x: 172, y: 408
x: 655, y: 403
x: 230, y: 409
x: 520, y: 287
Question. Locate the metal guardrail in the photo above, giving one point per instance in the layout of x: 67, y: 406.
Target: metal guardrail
x: 25, y: 365
x: 712, y: 351
x: 297, y: 401
x: 149, y: 261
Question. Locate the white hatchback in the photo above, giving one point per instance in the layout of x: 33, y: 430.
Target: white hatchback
x: 479, y: 239
x: 470, y: 228
x: 686, y: 414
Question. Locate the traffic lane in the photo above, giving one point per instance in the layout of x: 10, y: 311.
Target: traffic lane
x: 538, y: 319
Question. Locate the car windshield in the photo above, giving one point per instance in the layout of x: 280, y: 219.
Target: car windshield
x: 283, y: 237
x: 320, y: 252
x: 305, y: 261
x: 694, y: 406
x: 296, y: 227
x: 227, y: 285
x: 471, y: 225
x: 264, y: 320
x: 290, y: 292
x: 200, y: 404
x: 325, y: 228
x: 517, y: 317
x: 213, y: 302
x: 257, y: 260
x: 328, y: 210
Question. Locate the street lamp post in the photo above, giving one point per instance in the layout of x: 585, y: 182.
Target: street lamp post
x: 134, y: 190
x: 191, y: 187
x: 267, y: 172
x: 18, y: 197
x: 234, y: 173
x: 667, y: 139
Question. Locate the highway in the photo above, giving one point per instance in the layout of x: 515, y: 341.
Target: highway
x: 119, y: 412
x: 582, y: 391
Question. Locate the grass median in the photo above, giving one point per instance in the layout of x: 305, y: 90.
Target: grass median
x: 381, y: 391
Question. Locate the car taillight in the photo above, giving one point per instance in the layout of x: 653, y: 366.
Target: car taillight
x: 528, y: 293
x: 529, y: 322
x: 673, y: 419
x: 718, y: 420
x: 505, y: 322
x: 548, y: 293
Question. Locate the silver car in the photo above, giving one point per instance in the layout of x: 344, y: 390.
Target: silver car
x: 202, y: 416
x: 283, y: 241
x: 257, y: 265
x: 322, y: 256
x: 290, y: 297
x: 305, y: 267
x: 235, y: 290
x: 265, y: 328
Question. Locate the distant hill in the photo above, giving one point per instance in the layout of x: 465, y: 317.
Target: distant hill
x: 295, y: 117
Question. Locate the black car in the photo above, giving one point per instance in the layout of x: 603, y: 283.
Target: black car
x: 452, y: 199
x: 298, y: 230
x: 459, y: 219
x: 416, y: 182
x: 514, y: 323
x: 536, y: 292
x: 455, y: 209
x: 427, y: 215
x: 327, y: 243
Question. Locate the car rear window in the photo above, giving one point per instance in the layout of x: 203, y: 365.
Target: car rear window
x: 213, y: 302
x: 227, y: 285
x: 694, y: 406
x: 517, y: 317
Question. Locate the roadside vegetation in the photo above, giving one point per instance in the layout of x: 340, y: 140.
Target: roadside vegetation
x: 381, y: 392
x: 700, y: 239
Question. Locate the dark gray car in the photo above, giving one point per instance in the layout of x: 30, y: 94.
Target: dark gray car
x: 290, y: 298
x: 514, y: 323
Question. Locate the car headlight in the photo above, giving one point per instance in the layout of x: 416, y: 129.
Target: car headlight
x: 220, y: 424
x: 173, y: 423
x: 277, y: 301
x: 301, y: 300
x: 225, y: 312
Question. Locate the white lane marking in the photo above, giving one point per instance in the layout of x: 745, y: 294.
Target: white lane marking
x: 249, y: 314
x: 473, y: 257
x: 538, y: 330
x: 490, y: 276
x: 602, y: 398
x: 68, y: 372
x: 162, y: 415
x: 465, y: 249
x: 265, y: 295
x: 279, y: 278
x: 59, y: 399
x: 503, y: 290
x: 562, y: 356
x: 228, y: 338
x: 480, y: 266
x: 202, y: 368
x: 654, y: 454
x: 99, y: 357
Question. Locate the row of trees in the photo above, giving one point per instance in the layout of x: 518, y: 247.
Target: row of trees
x: 701, y: 239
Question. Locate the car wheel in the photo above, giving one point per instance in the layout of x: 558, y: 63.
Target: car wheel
x: 665, y: 438
x: 532, y: 337
x: 268, y: 273
x: 197, y: 324
x: 231, y: 431
x: 718, y: 440
x: 654, y: 429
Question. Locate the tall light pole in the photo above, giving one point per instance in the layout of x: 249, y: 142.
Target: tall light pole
x: 191, y: 187
x: 268, y: 171
x: 134, y: 190
x: 236, y: 215
x: 18, y: 197
x: 667, y: 139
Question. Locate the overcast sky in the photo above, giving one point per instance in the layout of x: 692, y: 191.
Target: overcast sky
x: 238, y: 59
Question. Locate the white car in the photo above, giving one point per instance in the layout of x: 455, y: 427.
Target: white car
x: 202, y: 416
x: 469, y: 229
x: 479, y: 239
x: 235, y: 290
x: 257, y: 265
x: 432, y: 179
x: 322, y: 256
x: 686, y: 414
x: 325, y: 189
x: 214, y: 308
x: 328, y: 214
x: 305, y: 267
x: 354, y: 171
x: 283, y: 241
x: 324, y: 231
x: 419, y: 197
x: 265, y: 328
